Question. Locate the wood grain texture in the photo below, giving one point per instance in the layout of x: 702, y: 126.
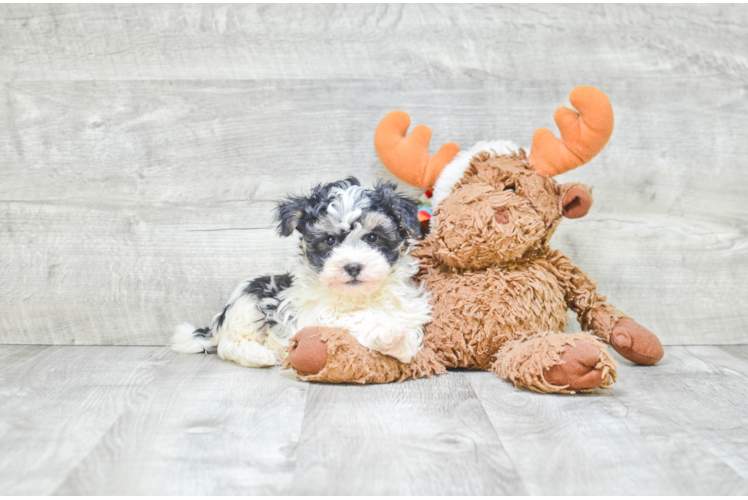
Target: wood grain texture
x: 539, y: 43
x: 675, y: 428
x: 425, y: 437
x: 142, y: 147
x: 205, y: 427
x: 57, y: 404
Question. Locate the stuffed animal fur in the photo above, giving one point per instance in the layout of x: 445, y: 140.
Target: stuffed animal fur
x: 499, y: 292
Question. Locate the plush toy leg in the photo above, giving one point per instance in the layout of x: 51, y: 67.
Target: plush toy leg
x: 556, y: 362
x: 321, y: 354
x: 636, y: 343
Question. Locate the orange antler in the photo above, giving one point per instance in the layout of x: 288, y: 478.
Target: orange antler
x: 583, y: 134
x: 407, y: 158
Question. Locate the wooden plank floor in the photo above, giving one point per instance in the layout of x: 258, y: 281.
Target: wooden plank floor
x: 143, y: 420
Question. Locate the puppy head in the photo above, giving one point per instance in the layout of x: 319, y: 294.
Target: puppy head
x: 351, y: 237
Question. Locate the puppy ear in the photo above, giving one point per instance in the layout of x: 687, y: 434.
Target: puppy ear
x: 576, y: 199
x: 289, y: 214
x: 403, y: 209
x: 351, y: 180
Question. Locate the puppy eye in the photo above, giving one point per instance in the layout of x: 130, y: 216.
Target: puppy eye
x: 509, y: 188
x: 371, y: 238
x: 331, y: 240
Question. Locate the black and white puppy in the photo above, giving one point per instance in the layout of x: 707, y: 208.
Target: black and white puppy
x: 354, y: 272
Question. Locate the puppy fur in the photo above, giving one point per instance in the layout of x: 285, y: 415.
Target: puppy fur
x: 354, y: 272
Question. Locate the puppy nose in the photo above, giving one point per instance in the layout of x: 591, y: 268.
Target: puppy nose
x: 353, y: 269
x: 501, y: 215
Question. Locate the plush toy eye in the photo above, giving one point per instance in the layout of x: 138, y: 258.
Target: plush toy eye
x: 509, y: 188
x: 371, y: 238
x: 331, y: 240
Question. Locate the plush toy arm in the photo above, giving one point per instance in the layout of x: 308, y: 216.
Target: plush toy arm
x: 597, y: 316
x: 594, y: 313
x: 333, y: 355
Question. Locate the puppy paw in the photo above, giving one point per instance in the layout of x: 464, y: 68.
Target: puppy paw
x: 578, y: 368
x: 636, y: 343
x: 389, y: 338
x: 393, y: 342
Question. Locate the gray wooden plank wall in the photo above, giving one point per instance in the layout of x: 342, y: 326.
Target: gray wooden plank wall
x: 142, y: 147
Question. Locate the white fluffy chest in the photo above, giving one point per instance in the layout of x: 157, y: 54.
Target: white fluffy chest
x: 411, y: 309
x: 390, y: 320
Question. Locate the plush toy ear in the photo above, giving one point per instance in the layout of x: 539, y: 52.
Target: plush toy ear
x: 576, y: 200
x: 289, y: 214
x: 403, y: 209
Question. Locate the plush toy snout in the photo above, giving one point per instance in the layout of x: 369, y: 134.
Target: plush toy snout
x: 501, y: 215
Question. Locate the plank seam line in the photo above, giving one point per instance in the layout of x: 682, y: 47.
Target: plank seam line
x: 294, y: 454
x: 506, y: 451
x: 136, y: 398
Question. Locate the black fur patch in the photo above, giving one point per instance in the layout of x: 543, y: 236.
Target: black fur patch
x: 298, y: 212
x: 388, y: 244
x: 317, y: 249
x: 218, y: 322
x: 203, y: 332
x: 268, y: 287
x: 403, y: 210
x: 264, y: 287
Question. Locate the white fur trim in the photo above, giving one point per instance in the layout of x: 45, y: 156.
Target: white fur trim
x: 455, y: 169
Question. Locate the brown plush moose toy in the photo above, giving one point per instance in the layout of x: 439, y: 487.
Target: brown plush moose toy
x: 499, y: 292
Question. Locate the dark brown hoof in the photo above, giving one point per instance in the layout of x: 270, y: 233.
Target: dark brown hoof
x: 578, y: 368
x: 636, y: 343
x: 309, y: 353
